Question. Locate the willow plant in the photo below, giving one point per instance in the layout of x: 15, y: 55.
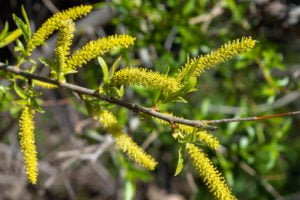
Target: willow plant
x: 188, y: 133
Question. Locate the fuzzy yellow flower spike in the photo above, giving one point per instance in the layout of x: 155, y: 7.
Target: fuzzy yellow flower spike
x: 196, y: 66
x: 208, y: 139
x: 63, y: 43
x: 53, y: 23
x: 202, y: 136
x: 134, y: 152
x: 212, y: 178
x: 146, y: 78
x: 27, y: 143
x: 124, y: 142
x: 98, y: 47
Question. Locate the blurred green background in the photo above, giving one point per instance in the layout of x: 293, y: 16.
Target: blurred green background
x: 260, y: 160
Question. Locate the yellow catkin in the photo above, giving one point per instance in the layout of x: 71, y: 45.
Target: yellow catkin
x: 146, y: 78
x: 196, y: 66
x: 54, y: 23
x: 134, y: 152
x: 124, y: 142
x: 10, y: 37
x: 98, y: 47
x: 44, y: 85
x: 203, y: 136
x: 208, y: 139
x: 211, y: 176
x: 63, y: 43
x: 27, y: 143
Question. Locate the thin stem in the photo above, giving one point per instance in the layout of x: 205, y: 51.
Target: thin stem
x: 140, y: 109
x: 220, y: 121
x: 135, y: 108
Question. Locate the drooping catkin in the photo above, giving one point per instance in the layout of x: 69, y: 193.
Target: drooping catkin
x: 124, y: 142
x: 210, y: 175
x: 27, y: 143
x: 199, y: 135
x: 208, y: 139
x: 134, y: 151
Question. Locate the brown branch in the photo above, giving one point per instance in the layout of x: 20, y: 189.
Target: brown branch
x: 220, y: 121
x: 95, y: 93
x: 140, y: 109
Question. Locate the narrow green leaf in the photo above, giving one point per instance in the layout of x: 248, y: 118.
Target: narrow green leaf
x: 180, y: 100
x: 180, y: 161
x: 26, y: 20
x: 33, y: 68
x: 19, y: 46
x: 104, y: 68
x: 114, y: 67
x: 46, y: 62
x: 22, y: 26
x: 121, y: 91
x: 22, y: 102
x: 35, y: 104
x: 129, y: 190
x: 4, y: 31
x: 20, y: 92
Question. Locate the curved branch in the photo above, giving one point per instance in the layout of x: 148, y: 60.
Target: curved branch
x: 140, y: 109
x: 135, y: 108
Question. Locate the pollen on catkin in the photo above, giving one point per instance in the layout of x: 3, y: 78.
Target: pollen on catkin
x: 196, y: 66
x: 212, y: 178
x: 203, y: 136
x: 27, y: 143
x: 208, y: 139
x: 98, y: 47
x: 145, y: 78
x: 54, y: 23
x: 124, y: 142
x: 10, y: 37
x: 63, y: 43
x: 134, y: 151
x: 108, y: 121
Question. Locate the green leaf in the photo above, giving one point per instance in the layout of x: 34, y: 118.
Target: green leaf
x: 180, y: 161
x: 129, y: 189
x: 35, y: 104
x: 104, y: 68
x: 20, y: 92
x: 121, y: 91
x: 19, y: 46
x: 4, y: 31
x: 180, y: 100
x: 188, y: 7
x: 22, y: 26
x: 22, y: 102
x: 27, y: 21
x: 47, y: 62
x: 114, y: 67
